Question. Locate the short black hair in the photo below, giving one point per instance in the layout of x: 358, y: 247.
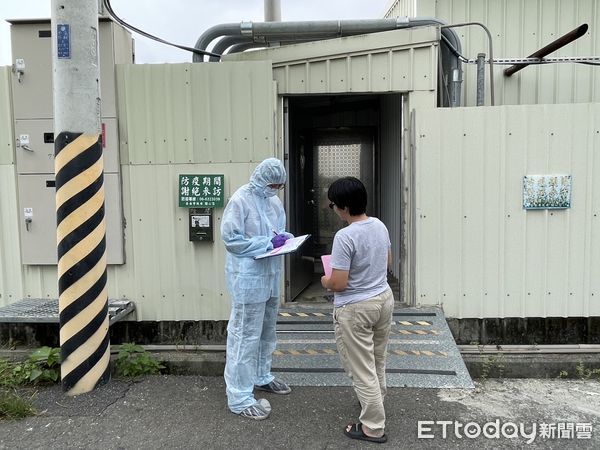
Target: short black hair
x: 349, y: 192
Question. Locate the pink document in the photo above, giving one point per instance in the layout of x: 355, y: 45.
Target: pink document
x: 326, y: 260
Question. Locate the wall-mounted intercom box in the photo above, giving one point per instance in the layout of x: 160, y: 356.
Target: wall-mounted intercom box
x: 201, y: 224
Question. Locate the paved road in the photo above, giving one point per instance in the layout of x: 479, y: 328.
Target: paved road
x: 188, y: 412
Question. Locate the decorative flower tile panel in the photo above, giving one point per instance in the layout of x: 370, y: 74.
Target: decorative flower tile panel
x: 546, y: 191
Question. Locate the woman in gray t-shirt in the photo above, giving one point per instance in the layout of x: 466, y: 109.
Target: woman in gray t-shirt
x: 363, y: 303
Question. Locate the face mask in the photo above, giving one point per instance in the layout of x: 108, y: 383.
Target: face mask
x: 270, y: 192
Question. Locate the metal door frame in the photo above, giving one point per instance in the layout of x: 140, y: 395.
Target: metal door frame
x: 283, y: 106
x: 407, y: 275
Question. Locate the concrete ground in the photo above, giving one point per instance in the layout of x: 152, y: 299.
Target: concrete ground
x: 189, y: 412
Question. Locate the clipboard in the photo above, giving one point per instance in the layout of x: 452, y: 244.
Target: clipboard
x: 326, y: 260
x: 291, y: 245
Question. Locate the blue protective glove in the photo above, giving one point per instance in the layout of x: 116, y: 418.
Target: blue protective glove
x: 279, y: 240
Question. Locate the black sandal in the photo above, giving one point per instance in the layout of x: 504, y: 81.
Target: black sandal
x: 356, y: 432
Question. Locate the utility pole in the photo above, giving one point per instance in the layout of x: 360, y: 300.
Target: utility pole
x: 81, y: 230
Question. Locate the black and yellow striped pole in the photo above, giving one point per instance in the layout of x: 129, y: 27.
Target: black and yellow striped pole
x: 81, y: 230
x: 81, y: 234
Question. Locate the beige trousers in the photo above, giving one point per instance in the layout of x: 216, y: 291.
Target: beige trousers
x: 361, y: 332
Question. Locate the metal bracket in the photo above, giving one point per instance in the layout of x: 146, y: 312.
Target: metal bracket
x: 246, y: 28
x: 117, y: 309
x: 20, y: 68
x: 545, y: 60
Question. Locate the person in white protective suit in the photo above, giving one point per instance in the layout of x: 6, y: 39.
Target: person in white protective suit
x: 253, y: 223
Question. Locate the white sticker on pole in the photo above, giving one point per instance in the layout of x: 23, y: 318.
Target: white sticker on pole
x: 28, y: 212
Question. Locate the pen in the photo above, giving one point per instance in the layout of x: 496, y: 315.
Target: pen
x: 275, y: 232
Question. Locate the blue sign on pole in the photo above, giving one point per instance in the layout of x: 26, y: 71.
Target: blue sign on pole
x: 63, y: 41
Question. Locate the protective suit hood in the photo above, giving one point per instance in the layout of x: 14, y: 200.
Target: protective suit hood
x: 270, y: 171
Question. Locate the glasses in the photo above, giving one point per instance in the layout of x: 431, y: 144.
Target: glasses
x: 331, y: 205
x: 277, y: 186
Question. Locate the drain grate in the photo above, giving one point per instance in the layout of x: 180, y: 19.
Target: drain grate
x: 45, y: 310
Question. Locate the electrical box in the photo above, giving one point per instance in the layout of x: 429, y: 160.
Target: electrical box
x: 201, y: 224
x: 34, y: 135
x: 32, y: 58
x: 38, y: 219
x: 35, y: 146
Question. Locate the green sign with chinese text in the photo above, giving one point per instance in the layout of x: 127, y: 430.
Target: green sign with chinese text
x: 201, y: 191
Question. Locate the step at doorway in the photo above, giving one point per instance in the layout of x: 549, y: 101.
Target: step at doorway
x: 421, y: 352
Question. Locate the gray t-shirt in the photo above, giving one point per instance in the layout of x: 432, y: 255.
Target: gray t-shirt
x: 361, y: 248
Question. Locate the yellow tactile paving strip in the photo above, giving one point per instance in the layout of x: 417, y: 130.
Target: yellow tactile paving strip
x: 416, y: 332
x: 408, y: 323
x: 418, y: 322
x: 302, y: 314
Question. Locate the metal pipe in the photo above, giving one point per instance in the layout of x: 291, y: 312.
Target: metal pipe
x: 551, y: 47
x: 454, y: 50
x: 241, y: 43
x: 226, y: 42
x: 238, y: 48
x: 313, y: 29
x: 456, y: 83
x: 226, y: 29
x: 328, y: 29
x: 480, y: 79
x: 490, y: 44
x: 272, y: 10
x: 443, y: 92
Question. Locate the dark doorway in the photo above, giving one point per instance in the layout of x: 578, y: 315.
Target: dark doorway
x: 329, y: 137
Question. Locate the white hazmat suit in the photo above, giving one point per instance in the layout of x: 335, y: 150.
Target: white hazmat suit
x: 253, y: 216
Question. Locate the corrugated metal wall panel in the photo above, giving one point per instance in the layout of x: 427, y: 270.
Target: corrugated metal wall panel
x: 159, y: 108
x: 518, y: 28
x: 390, y: 186
x: 196, y: 113
x: 175, y: 119
x: 399, y: 60
x: 479, y: 253
x: 7, y: 140
x: 39, y: 282
x: 169, y: 277
x: 393, y: 70
x: 184, y: 118
x: 11, y: 280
